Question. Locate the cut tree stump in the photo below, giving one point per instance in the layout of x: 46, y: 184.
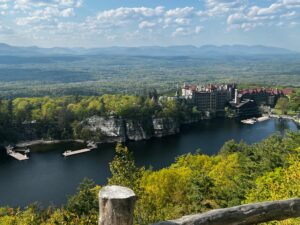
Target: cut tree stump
x: 116, y: 205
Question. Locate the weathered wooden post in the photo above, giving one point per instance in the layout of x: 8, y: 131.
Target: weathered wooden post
x: 116, y: 205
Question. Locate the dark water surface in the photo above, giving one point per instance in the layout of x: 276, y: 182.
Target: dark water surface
x: 47, y: 177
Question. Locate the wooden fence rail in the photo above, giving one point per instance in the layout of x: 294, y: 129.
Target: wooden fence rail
x: 117, y: 205
x: 243, y: 214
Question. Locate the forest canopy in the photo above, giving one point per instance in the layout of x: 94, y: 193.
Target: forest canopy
x: 123, y: 74
x: 63, y: 117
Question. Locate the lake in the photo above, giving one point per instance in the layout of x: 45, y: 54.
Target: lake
x: 49, y: 178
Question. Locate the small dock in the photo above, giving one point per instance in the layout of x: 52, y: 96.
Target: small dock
x: 90, y: 147
x: 16, y: 155
x: 248, y: 121
x: 70, y: 153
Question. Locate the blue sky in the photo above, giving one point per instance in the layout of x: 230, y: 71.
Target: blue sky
x: 100, y: 23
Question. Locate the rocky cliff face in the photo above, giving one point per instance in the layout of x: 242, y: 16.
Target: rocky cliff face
x: 165, y: 126
x: 137, y: 131
x: 119, y: 130
x: 111, y: 128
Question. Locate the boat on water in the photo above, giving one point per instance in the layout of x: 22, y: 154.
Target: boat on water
x: 263, y: 118
x: 249, y: 121
x: 253, y: 120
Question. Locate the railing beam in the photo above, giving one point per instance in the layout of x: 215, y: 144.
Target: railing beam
x: 243, y: 214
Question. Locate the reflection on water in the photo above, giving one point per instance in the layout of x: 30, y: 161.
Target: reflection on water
x: 48, y: 177
x: 281, y: 125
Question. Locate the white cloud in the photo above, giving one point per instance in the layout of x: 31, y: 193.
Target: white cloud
x: 180, y: 12
x: 180, y: 31
x: 40, y: 14
x: 158, y: 20
x: 67, y: 3
x: 67, y: 12
x: 221, y: 7
x: 289, y: 15
x: 4, y: 6
x: 4, y: 30
x: 182, y: 21
x: 129, y: 13
x: 276, y: 14
x: 146, y: 24
x: 45, y: 19
x: 198, y: 29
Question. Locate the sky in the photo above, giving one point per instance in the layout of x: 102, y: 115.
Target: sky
x: 102, y: 23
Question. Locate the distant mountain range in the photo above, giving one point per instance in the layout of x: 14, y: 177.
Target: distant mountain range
x: 186, y: 50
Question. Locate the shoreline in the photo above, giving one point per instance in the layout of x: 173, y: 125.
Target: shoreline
x: 286, y: 117
x: 108, y: 139
x: 25, y: 144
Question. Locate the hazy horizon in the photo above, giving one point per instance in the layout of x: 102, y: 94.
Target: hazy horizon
x: 146, y: 46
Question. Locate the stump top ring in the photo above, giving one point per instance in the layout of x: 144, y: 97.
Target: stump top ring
x: 116, y: 192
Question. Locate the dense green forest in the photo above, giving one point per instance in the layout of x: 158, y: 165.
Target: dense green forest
x: 62, y: 117
x: 289, y: 105
x: 109, y: 74
x: 194, y: 183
